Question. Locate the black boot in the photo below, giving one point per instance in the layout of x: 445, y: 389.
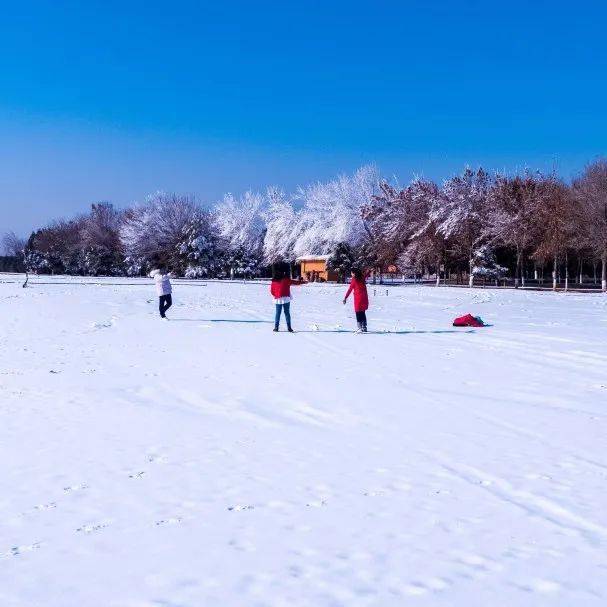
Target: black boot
x: 275, y: 329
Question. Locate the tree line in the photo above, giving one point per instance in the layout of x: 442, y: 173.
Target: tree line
x: 473, y: 225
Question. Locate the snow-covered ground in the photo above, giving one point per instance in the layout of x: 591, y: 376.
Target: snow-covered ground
x: 207, y: 461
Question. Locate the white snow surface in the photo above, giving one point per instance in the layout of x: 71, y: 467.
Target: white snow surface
x: 208, y: 461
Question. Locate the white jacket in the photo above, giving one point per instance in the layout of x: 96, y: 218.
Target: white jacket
x: 163, y: 282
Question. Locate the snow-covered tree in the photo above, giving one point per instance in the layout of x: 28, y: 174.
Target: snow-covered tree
x: 408, y: 232
x: 388, y: 218
x: 463, y: 216
x: 485, y: 263
x: 342, y: 260
x: 590, y: 190
x: 35, y: 262
x: 558, y: 225
x: 332, y: 212
x: 13, y: 245
x: 56, y: 249
x: 241, y: 227
x: 420, y: 227
x: 198, y: 248
x: 100, y: 241
x: 282, y: 224
x: 512, y: 215
x: 153, y: 232
x: 426, y: 246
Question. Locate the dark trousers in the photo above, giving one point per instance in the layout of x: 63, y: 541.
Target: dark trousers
x: 166, y: 301
x: 361, y: 319
x: 287, y: 309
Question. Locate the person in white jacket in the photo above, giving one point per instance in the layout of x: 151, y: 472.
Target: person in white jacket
x: 162, y: 280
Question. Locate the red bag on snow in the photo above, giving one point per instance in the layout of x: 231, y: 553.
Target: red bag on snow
x: 468, y: 321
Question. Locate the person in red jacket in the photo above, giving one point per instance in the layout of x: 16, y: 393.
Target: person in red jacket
x: 361, y: 299
x: 280, y: 288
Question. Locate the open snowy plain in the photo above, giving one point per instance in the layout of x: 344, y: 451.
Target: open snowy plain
x: 207, y: 461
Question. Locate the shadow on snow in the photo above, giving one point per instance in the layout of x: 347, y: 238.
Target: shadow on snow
x: 228, y: 320
x: 436, y: 331
x: 269, y: 322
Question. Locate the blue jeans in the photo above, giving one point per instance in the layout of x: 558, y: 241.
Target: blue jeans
x: 164, y: 303
x: 287, y: 308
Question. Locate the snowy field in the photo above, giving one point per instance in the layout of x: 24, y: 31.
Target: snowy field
x: 207, y: 461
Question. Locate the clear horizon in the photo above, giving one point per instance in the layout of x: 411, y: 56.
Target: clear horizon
x: 107, y: 102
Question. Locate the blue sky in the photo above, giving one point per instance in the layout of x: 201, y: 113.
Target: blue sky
x: 112, y: 100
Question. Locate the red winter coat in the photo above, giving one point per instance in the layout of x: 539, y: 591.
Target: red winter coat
x: 361, y: 298
x: 282, y: 288
x: 468, y: 321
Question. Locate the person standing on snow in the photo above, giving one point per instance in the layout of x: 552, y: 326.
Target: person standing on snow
x: 361, y: 299
x: 280, y: 288
x: 162, y: 280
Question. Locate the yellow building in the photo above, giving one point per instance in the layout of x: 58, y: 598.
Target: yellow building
x: 314, y: 268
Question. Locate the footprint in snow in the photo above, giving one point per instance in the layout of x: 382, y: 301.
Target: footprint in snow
x: 536, y: 477
x: 104, y: 324
x: 375, y: 493
x: 92, y: 528
x: 157, y: 459
x: 316, y: 504
x: 174, y: 520
x: 241, y: 507
x: 542, y: 586
x: 18, y: 550
x: 40, y: 508
x: 415, y: 589
x: 479, y: 563
x: 80, y: 487
x: 434, y: 584
x: 242, y: 545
